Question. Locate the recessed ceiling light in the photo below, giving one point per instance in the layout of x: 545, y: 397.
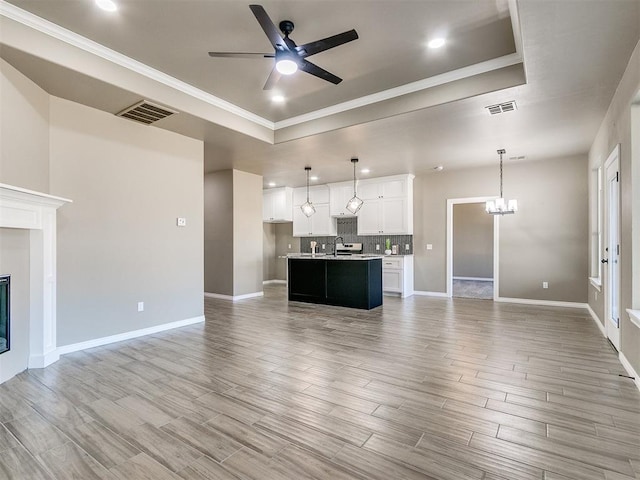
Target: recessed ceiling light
x: 365, y: 170
x: 277, y: 98
x: 436, y: 43
x: 107, y: 5
x: 271, y: 184
x: 314, y: 178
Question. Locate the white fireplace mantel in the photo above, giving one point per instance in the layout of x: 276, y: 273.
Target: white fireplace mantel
x: 35, y: 211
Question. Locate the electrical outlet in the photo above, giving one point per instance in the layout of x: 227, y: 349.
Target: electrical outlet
x: 181, y: 222
x: 545, y: 284
x: 289, y: 246
x: 377, y: 246
x: 323, y: 245
x: 429, y: 246
x: 406, y: 247
x: 141, y: 306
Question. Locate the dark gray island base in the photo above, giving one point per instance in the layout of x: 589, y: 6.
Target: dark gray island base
x: 354, y: 282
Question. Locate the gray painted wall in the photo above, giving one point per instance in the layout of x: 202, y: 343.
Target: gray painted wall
x: 269, y: 251
x: 545, y: 241
x: 472, y: 241
x: 616, y: 129
x: 14, y: 260
x: 24, y: 131
x: 247, y: 233
x: 218, y: 233
x: 284, y: 238
x: 118, y: 243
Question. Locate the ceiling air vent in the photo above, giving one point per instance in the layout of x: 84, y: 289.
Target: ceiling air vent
x: 145, y: 112
x: 502, y: 107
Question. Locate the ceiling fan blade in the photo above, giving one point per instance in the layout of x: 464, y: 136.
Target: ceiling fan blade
x: 269, y: 28
x: 272, y: 80
x: 313, y: 69
x: 318, y: 46
x: 241, y: 55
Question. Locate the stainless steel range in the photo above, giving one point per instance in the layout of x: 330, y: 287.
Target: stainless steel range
x: 348, y: 248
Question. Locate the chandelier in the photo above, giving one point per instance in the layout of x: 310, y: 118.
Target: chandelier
x: 499, y: 206
x: 355, y: 203
x: 307, y: 208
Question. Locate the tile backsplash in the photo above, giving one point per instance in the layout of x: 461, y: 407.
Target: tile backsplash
x: 347, y: 228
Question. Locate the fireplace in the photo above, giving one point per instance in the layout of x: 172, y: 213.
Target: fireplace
x: 5, y: 312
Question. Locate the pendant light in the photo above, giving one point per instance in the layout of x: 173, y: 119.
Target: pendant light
x: 307, y: 208
x: 499, y: 206
x: 355, y: 203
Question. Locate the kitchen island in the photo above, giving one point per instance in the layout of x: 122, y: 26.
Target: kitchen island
x: 347, y: 281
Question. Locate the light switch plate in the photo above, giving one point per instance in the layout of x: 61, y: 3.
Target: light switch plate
x: 429, y: 246
x: 141, y: 306
x: 406, y: 247
x: 181, y: 222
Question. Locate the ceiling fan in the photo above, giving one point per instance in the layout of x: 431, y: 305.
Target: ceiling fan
x: 290, y: 57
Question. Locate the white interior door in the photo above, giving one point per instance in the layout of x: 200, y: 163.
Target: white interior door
x: 611, y: 260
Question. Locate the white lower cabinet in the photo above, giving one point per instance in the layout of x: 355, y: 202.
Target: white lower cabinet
x: 397, y: 275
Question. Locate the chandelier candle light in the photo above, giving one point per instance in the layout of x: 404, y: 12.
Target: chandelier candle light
x: 499, y: 206
x: 307, y: 208
x: 355, y: 203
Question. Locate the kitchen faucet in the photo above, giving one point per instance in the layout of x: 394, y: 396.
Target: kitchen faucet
x: 335, y: 246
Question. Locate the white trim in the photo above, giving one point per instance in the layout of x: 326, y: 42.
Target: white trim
x: 55, y: 31
x: 597, y: 320
x: 546, y: 303
x: 444, y: 78
x: 422, y: 293
x: 596, y: 282
x: 267, y: 282
x: 449, y: 249
x: 629, y: 368
x: 97, y: 342
x: 474, y: 279
x: 634, y: 316
x: 233, y: 298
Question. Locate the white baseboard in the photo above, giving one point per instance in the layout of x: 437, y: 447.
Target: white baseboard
x: 41, y: 361
x: 597, y: 320
x: 430, y: 294
x: 233, y: 298
x: 475, y: 279
x: 547, y: 303
x: 97, y: 342
x: 630, y: 370
x: 267, y: 282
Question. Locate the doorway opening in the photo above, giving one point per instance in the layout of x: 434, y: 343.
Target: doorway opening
x: 472, y: 249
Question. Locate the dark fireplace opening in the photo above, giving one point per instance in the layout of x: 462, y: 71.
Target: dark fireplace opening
x: 5, y: 312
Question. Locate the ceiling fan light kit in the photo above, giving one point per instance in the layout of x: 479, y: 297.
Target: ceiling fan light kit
x: 307, y: 208
x: 355, y: 203
x: 499, y: 206
x: 289, y: 57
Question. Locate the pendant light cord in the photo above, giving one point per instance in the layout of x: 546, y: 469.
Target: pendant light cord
x: 307, y: 169
x: 500, y: 176
x: 354, y: 178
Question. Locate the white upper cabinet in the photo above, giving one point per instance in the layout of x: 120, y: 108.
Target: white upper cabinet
x: 320, y: 223
x: 339, y: 195
x: 388, y: 206
x: 277, y: 205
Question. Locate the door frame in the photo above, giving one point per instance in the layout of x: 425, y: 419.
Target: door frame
x: 612, y: 332
x: 496, y: 224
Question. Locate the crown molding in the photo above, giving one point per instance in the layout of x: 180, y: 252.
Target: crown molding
x: 60, y: 33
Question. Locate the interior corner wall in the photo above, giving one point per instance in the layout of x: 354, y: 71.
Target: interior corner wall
x: 118, y: 242
x: 218, y: 233
x: 285, y: 243
x: 615, y: 129
x: 545, y: 241
x: 24, y: 131
x: 269, y: 251
x: 247, y: 233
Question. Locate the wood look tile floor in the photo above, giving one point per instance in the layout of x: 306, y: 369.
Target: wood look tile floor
x: 420, y: 388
